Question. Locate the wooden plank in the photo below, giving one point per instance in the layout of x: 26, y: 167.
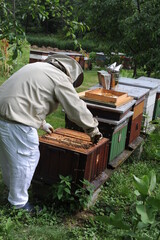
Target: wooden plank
x: 120, y: 159
x: 136, y: 143
x: 138, y: 109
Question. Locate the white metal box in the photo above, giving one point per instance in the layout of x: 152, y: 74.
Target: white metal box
x: 150, y: 99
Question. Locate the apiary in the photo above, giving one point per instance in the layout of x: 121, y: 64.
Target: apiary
x: 40, y: 56
x: 115, y: 131
x: 67, y: 152
x: 150, y: 100
x: 157, y: 102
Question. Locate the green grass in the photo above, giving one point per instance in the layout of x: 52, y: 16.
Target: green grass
x: 56, y: 222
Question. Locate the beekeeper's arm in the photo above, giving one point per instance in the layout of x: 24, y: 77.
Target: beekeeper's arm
x: 76, y: 109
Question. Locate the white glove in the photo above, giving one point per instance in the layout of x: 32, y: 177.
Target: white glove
x: 47, y: 127
x: 96, y: 138
x: 95, y: 135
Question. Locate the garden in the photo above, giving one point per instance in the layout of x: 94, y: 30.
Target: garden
x: 127, y: 206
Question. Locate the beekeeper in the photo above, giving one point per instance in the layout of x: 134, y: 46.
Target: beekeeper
x: 26, y: 98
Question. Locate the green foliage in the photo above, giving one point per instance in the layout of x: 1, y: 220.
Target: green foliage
x: 146, y: 211
x: 84, y: 193
x: 51, y: 41
x: 74, y: 196
x: 120, y: 24
x: 152, y: 144
x: 62, y: 190
x: 6, y: 227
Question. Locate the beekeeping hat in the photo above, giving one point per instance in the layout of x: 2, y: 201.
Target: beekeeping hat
x: 69, y: 66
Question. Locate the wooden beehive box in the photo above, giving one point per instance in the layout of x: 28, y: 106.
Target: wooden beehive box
x: 110, y: 97
x: 115, y: 131
x: 106, y: 112
x: 67, y: 152
x: 135, y: 123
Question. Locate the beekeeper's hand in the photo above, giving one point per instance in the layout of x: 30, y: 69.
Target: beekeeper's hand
x: 47, y: 127
x: 96, y: 138
x: 94, y: 134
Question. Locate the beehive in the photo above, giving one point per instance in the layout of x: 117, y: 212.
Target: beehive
x: 115, y: 131
x: 103, y: 111
x: 135, y: 123
x: 39, y: 56
x: 150, y: 99
x: 136, y: 105
x: 66, y: 152
x: 156, y: 113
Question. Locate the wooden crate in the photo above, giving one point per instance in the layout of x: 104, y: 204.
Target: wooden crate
x: 68, y: 152
x: 102, y: 95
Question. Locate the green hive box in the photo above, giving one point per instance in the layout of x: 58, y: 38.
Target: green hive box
x: 116, y: 131
x: 157, y: 107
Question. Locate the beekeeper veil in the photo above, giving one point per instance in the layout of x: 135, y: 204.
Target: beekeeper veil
x: 69, y: 66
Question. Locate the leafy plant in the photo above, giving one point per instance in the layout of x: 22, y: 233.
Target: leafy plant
x: 84, y: 193
x: 62, y: 190
x: 146, y: 209
x: 76, y: 198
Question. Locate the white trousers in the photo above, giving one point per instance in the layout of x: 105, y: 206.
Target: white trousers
x: 19, y: 156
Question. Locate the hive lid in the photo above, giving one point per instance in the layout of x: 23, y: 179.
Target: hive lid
x: 109, y: 97
x: 136, y: 92
x: 153, y: 80
x: 71, y: 140
x: 137, y: 83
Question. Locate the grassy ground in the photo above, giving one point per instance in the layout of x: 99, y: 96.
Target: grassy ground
x: 57, y: 221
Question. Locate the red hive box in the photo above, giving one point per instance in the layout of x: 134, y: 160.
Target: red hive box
x: 68, y: 152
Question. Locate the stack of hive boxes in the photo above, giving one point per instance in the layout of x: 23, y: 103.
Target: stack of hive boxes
x: 149, y: 104
x: 156, y: 113
x: 135, y: 123
x: 113, y: 119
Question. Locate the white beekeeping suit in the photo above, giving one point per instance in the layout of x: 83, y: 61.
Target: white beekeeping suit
x: 26, y: 98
